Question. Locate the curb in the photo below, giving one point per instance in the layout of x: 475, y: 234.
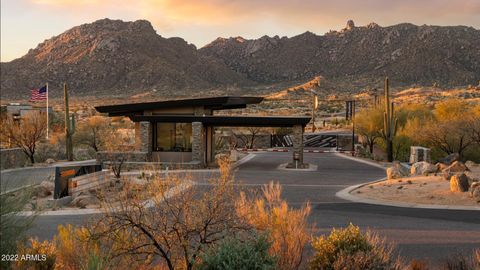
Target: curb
x: 346, y: 194
x: 70, y: 212
x: 371, y: 163
x: 286, y: 150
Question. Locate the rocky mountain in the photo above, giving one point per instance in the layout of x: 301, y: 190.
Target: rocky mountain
x: 409, y: 54
x: 112, y: 57
x: 117, y: 59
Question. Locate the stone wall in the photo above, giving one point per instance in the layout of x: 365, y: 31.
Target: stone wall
x: 12, y: 158
x: 297, y: 139
x: 418, y: 153
x: 143, y: 136
x: 198, y: 143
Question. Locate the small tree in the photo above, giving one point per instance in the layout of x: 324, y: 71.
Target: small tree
x: 12, y: 227
x: 369, y: 123
x: 25, y: 133
x: 250, y: 138
x: 93, y: 132
x: 173, y: 229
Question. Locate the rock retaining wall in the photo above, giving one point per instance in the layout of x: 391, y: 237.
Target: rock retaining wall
x: 12, y: 158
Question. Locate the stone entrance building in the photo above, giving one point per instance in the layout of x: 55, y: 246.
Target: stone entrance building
x: 181, y: 131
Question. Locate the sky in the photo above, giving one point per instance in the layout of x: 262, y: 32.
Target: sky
x: 26, y: 23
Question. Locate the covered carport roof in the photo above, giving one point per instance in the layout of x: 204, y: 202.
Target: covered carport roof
x: 226, y: 120
x: 214, y: 103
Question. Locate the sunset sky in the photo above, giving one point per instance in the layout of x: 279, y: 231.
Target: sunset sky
x: 25, y: 23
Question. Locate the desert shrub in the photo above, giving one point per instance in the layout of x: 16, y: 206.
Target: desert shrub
x: 54, y: 150
x: 235, y: 254
x: 287, y: 228
x: 462, y: 262
x: 12, y: 227
x: 176, y: 226
x: 417, y: 265
x: 350, y: 249
x: 45, y: 251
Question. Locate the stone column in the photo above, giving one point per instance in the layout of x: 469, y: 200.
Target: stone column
x: 297, y: 140
x: 198, y: 143
x: 143, y: 137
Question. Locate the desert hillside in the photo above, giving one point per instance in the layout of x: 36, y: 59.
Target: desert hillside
x: 112, y: 58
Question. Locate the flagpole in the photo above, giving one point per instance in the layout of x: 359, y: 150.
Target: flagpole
x: 47, y: 111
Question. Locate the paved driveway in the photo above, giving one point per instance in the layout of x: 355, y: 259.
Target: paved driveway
x: 418, y: 233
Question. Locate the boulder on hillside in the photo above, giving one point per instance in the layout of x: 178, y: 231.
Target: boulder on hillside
x: 459, y: 183
x: 422, y: 168
x: 455, y: 168
x: 398, y: 170
x: 450, y: 159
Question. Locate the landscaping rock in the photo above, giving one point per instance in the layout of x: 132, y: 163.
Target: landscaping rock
x: 422, y: 168
x: 50, y: 161
x: 455, y: 168
x: 41, y: 191
x: 459, y: 183
x: 475, y: 192
x: 472, y: 166
x: 83, y: 201
x: 472, y: 177
x: 397, y: 171
x: 450, y: 159
x: 441, y: 166
x: 48, y: 185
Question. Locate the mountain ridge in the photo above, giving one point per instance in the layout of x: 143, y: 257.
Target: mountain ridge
x: 116, y: 58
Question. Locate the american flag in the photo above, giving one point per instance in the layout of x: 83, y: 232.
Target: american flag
x: 39, y: 94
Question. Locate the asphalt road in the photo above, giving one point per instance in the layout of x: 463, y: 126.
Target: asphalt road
x: 417, y: 233
x: 13, y: 179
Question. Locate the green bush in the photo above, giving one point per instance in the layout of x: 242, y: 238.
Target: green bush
x: 12, y: 227
x: 350, y: 249
x: 236, y: 254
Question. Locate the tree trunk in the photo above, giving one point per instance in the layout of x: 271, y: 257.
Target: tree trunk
x: 32, y: 158
x: 370, y: 146
x: 389, y: 150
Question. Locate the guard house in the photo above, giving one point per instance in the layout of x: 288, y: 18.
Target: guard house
x: 181, y: 131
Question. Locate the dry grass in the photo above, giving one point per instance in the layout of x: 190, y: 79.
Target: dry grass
x: 288, y: 228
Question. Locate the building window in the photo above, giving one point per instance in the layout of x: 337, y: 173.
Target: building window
x: 173, y: 137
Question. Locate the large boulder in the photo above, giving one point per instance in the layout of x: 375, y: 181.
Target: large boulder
x: 450, y: 159
x: 83, y: 201
x: 459, y: 183
x: 475, y: 192
x: 398, y: 170
x: 43, y: 190
x: 472, y: 165
x: 48, y: 185
x: 472, y: 176
x: 422, y: 168
x: 455, y: 168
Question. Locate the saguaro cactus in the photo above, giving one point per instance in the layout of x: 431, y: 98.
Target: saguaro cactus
x: 69, y: 126
x: 389, y: 122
